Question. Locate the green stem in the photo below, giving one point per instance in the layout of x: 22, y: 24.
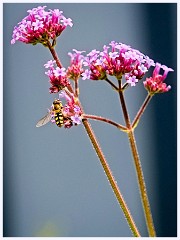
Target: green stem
x: 103, y: 162
x: 139, y: 172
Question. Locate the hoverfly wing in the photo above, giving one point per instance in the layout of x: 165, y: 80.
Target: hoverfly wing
x: 44, y: 120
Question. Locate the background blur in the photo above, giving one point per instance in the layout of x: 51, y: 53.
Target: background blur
x: 53, y: 182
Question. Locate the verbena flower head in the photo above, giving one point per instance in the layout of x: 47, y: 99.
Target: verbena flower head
x: 155, y: 84
x: 57, y: 77
x: 40, y: 26
x: 117, y: 59
x: 71, y: 111
x: 75, y: 69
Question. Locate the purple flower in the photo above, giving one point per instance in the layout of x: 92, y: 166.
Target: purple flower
x: 166, y: 70
x: 59, y: 72
x: 37, y: 24
x: 99, y: 62
x: 67, y: 21
x: 86, y: 74
x: 122, y: 47
x: 105, y: 48
x: 49, y: 73
x: 49, y: 64
x: 77, y: 109
x: 93, y: 53
x: 149, y: 62
x: 56, y: 15
x: 113, y: 55
x: 132, y: 81
x: 63, y: 94
x: 113, y: 44
x: 76, y: 119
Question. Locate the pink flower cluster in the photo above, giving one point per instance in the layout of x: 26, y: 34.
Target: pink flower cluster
x: 40, y: 26
x: 75, y: 69
x: 155, y: 84
x: 117, y: 59
x: 57, y: 76
x: 71, y: 111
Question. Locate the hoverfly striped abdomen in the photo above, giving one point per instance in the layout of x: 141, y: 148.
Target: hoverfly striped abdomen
x: 58, y: 115
x: 59, y: 119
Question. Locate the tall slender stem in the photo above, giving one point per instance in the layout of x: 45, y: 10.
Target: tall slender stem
x: 103, y: 162
x: 139, y: 172
x: 141, y: 110
x: 142, y: 186
x: 111, y: 179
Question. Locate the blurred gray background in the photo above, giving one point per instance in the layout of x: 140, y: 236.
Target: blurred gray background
x: 53, y: 182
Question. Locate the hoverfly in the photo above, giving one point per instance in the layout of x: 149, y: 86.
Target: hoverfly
x: 56, y: 111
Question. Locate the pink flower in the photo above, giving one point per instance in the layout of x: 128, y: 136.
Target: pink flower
x: 71, y: 112
x: 86, y: 74
x: 155, y: 84
x: 76, y: 119
x: 67, y: 21
x: 49, y: 64
x: 59, y: 72
x: 75, y: 69
x: 132, y: 80
x: 57, y: 77
x: 40, y: 26
x: 121, y: 59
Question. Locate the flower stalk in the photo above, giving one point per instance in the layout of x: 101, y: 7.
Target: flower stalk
x: 141, y: 110
x: 137, y: 163
x: 142, y: 186
x: 76, y: 87
x: 54, y: 54
x: 103, y: 161
x: 98, y: 118
x: 112, y: 84
x: 111, y: 179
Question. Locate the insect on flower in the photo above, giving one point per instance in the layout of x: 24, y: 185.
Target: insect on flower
x: 56, y: 112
